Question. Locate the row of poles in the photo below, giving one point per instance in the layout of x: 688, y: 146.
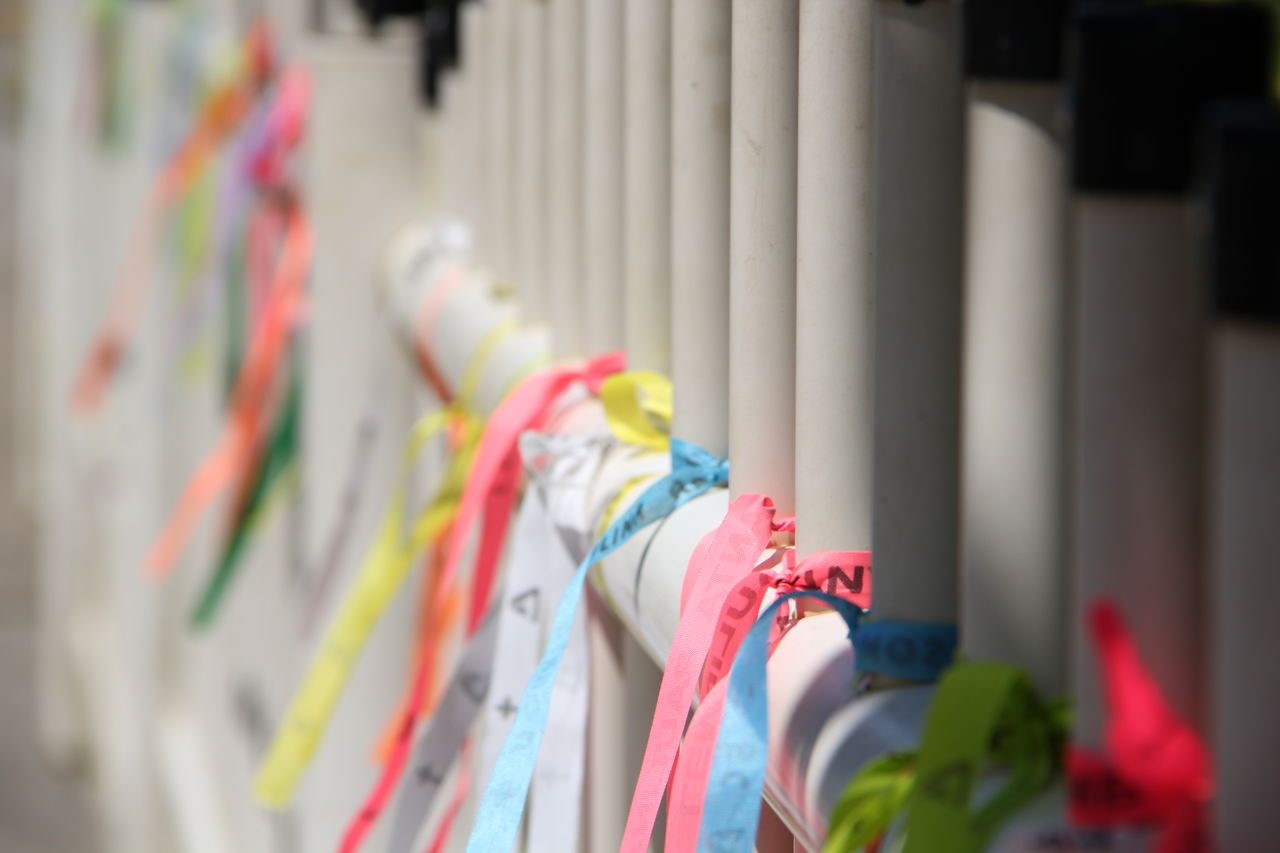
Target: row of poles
x: 919, y: 296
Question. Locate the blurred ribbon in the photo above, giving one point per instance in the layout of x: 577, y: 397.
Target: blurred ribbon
x: 982, y: 713
x: 223, y: 110
x: 491, y: 490
x: 1156, y: 769
x: 383, y: 571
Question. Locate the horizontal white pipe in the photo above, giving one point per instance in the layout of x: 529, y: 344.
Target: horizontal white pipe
x: 820, y: 734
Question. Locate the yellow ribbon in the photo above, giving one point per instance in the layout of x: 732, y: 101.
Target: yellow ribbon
x: 637, y: 407
x: 380, y: 576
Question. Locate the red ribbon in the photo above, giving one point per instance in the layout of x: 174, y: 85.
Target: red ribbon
x: 1156, y: 769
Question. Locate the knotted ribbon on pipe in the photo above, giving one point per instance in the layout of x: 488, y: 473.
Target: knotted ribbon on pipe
x: 981, y: 712
x: 731, y: 810
x: 716, y: 584
x: 637, y: 408
x: 1156, y: 769
x: 693, y: 473
x: 222, y: 112
x: 846, y: 573
x: 491, y: 487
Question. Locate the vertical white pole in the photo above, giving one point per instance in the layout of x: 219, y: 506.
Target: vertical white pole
x: 608, y: 776
x: 1137, y: 421
x: 700, y: 39
x: 1244, y: 466
x: 919, y: 117
x: 564, y: 219
x: 835, y: 243
x: 1245, y: 412
x: 762, y: 249
x: 531, y: 152
x: 647, y: 185
x: 602, y: 173
x: 476, y: 92
x: 499, y: 139
x: 646, y: 280
x: 1013, y: 492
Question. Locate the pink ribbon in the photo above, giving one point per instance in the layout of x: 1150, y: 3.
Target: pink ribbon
x: 719, y: 603
x: 843, y: 573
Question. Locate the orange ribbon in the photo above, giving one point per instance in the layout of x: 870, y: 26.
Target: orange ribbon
x: 249, y: 398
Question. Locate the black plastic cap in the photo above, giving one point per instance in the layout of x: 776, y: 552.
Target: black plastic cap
x: 376, y: 12
x: 438, y: 47
x: 1014, y: 39
x: 1141, y: 77
x: 1240, y: 175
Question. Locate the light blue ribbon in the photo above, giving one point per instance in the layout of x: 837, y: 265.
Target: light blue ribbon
x: 732, y: 807
x: 694, y: 472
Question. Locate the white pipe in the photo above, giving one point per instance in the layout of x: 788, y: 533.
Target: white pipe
x: 919, y: 120
x: 499, y: 138
x: 700, y: 39
x: 474, y: 167
x: 647, y: 190
x: 602, y: 173
x: 835, y: 263
x: 762, y: 249
x: 1137, y: 416
x: 1245, y: 413
x: 564, y: 213
x: 1013, y: 438
x: 531, y: 151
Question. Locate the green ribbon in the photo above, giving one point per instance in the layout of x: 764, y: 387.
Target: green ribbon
x: 276, y: 472
x: 984, y: 716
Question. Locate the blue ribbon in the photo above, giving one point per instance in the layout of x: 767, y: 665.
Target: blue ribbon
x: 732, y: 807
x: 694, y: 472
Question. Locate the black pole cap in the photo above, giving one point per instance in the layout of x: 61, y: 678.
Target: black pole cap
x: 1014, y: 39
x: 1141, y: 77
x: 1240, y: 185
x: 377, y: 12
x: 438, y: 47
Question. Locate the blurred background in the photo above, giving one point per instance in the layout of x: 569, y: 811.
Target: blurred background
x: 43, y: 808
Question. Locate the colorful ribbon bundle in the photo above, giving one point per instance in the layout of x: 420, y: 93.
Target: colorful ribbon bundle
x: 225, y: 108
